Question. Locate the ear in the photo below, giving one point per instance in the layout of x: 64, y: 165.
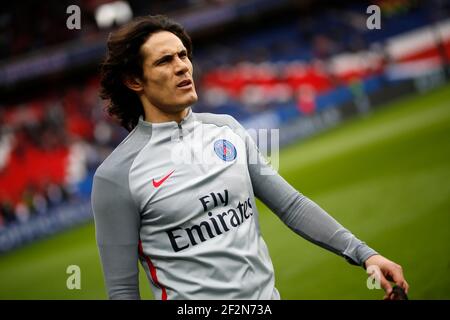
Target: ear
x: 133, y: 83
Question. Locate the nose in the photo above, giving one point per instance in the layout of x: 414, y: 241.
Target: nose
x: 181, y: 66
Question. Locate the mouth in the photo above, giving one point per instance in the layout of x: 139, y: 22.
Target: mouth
x: 185, y: 84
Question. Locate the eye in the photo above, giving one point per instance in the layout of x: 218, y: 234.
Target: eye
x: 182, y: 54
x: 162, y: 61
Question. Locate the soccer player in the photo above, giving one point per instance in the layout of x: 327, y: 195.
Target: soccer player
x: 193, y: 225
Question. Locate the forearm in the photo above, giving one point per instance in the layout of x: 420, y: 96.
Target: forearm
x: 307, y: 219
x: 311, y: 222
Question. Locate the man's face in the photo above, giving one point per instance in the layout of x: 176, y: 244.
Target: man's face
x: 168, y: 83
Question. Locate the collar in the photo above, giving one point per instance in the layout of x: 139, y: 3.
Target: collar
x: 166, y: 127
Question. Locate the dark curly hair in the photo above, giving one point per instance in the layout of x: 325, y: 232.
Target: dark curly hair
x: 124, y: 59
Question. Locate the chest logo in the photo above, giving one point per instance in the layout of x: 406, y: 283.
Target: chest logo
x: 157, y: 183
x: 225, y: 150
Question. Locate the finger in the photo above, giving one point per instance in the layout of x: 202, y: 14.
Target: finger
x: 399, y: 279
x: 386, y: 285
x: 406, y: 287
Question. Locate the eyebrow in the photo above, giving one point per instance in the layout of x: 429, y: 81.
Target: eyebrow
x: 167, y: 56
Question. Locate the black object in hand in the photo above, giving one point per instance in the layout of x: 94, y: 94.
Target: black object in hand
x: 398, y: 293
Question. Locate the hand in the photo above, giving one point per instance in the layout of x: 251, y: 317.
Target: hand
x: 390, y: 271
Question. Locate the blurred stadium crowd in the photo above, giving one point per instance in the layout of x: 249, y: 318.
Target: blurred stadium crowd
x: 296, y: 58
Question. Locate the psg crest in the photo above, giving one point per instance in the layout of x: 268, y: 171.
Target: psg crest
x: 225, y: 150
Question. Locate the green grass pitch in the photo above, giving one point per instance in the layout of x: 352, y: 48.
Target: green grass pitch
x: 385, y: 176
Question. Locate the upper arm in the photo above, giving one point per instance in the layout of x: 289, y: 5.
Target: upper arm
x: 268, y: 186
x: 117, y: 226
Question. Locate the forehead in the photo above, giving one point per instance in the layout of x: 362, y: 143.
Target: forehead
x: 161, y: 43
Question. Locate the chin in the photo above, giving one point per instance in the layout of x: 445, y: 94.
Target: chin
x: 190, y: 100
x: 182, y: 104
x: 185, y: 104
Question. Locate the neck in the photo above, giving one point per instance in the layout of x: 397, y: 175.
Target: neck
x: 159, y: 116
x: 156, y: 115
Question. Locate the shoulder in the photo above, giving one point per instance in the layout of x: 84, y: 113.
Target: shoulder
x: 115, y: 168
x: 224, y: 120
x: 219, y: 120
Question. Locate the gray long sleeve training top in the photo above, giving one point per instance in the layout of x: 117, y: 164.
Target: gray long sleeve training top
x: 181, y: 199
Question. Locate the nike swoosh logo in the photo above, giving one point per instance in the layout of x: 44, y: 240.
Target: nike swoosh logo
x: 156, y: 184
